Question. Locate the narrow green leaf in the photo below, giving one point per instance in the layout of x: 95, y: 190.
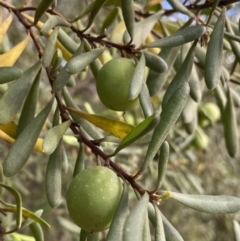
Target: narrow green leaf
x: 30, y: 105
x: 155, y: 81
x: 208, y: 203
x: 212, y: 9
x: 115, y: 232
x: 61, y: 80
x: 96, y: 65
x: 18, y: 201
x: 159, y: 229
x: 26, y: 139
x: 67, y: 41
x: 142, y: 29
x: 189, y: 115
x: 50, y: 48
x: 83, y: 123
x: 168, y: 118
x: 97, y: 5
x: 56, y: 63
x: 171, y: 233
x: 133, y: 227
x: 179, y: 7
x: 235, y: 45
x: 65, y: 160
x: 154, y: 62
x: 182, y: 75
x: 213, y: 60
x: 52, y: 22
x: 140, y: 130
x: 137, y: 79
x: 220, y: 97
x: 79, y: 164
x: 195, y: 86
x: 180, y: 37
x: 236, y: 230
x: 128, y: 17
x: 230, y: 126
x: 41, y: 9
x: 9, y: 74
x: 28, y: 221
x: 162, y: 163
x: 145, y: 101
x: 53, y: 181
x: 109, y: 19
x: 12, y: 100
x: 78, y: 63
x: 112, y: 126
x: 37, y: 231
x: 63, y: 76
x: 146, y: 235
x: 25, y: 213
x: 53, y: 136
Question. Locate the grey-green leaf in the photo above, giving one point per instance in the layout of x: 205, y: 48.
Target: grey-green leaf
x: 128, y: 16
x: 83, y: 123
x: 178, y: 6
x: 208, y: 203
x: 171, y: 233
x: 145, y: 101
x: 168, y: 118
x: 18, y: 200
x: 53, y: 180
x: 9, y: 73
x: 41, y: 9
x: 213, y: 62
x: 30, y: 105
x: 162, y: 163
x: 67, y: 41
x: 137, y: 79
x: 115, y: 232
x: 12, y: 100
x: 53, y: 136
x: 236, y: 230
x: 26, y: 139
x: 49, y: 48
x: 79, y: 164
x: 56, y: 63
x: 142, y: 29
x: 155, y: 62
x: 140, y: 130
x: 78, y: 63
x: 182, y: 75
x: 159, y: 229
x: 230, y: 126
x: 195, y: 85
x: 37, y: 231
x: 53, y: 21
x: 97, y: 5
x: 155, y: 80
x: 180, y: 37
x: 135, y: 222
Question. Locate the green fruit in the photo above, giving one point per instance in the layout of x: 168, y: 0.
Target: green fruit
x: 209, y: 114
x: 113, y: 83
x: 92, y: 198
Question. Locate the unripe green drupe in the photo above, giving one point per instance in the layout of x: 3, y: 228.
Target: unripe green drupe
x: 113, y: 83
x: 92, y: 198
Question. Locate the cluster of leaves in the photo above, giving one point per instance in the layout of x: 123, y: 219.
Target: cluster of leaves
x: 175, y: 64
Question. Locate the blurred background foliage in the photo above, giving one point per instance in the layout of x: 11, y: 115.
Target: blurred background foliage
x: 201, y: 166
